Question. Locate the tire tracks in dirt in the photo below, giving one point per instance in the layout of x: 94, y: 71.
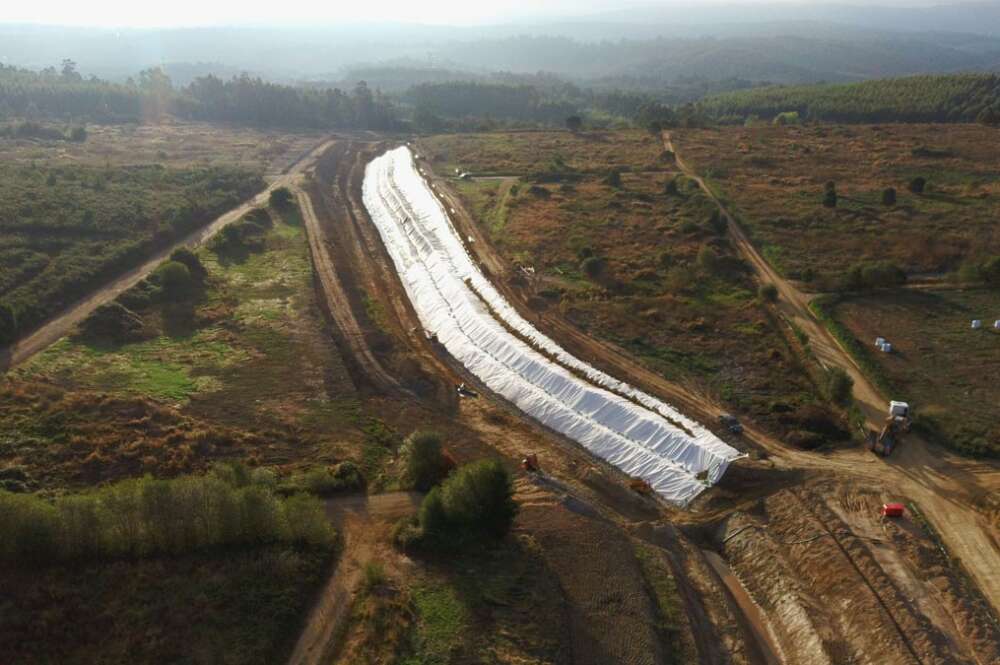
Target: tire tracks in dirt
x: 939, y: 482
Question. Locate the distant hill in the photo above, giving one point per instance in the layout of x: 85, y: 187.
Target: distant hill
x: 955, y: 98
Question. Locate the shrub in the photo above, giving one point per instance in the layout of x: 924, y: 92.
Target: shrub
x: 175, y: 278
x: 889, y: 196
x: 839, y: 386
x: 768, y: 293
x: 593, y: 266
x: 877, y: 274
x: 830, y: 195
x: 280, y: 198
x: 326, y: 481
x: 191, y: 261
x: 917, y: 185
x: 78, y: 134
x: 8, y: 324
x: 717, y: 223
x: 671, y: 188
x: 479, y: 498
x: 990, y: 270
x: 474, y: 503
x: 614, y: 178
x: 424, y: 462
x: 708, y: 259
x: 113, y: 322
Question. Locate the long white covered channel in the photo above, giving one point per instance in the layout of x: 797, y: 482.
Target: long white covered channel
x: 636, y: 432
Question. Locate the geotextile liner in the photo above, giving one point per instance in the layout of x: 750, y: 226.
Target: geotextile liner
x: 635, y: 432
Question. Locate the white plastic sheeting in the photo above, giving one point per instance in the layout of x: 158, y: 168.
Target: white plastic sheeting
x: 636, y: 432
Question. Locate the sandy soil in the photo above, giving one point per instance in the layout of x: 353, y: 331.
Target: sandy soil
x: 942, y: 484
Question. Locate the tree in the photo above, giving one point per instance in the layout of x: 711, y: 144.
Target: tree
x: 78, y: 134
x: 614, y: 178
x: 574, y: 123
x: 830, y: 195
x: 889, y: 196
x: 839, y: 386
x: 672, y: 188
x: 280, y: 198
x: 917, y: 185
x: 425, y: 464
x: 768, y: 293
x: 479, y: 497
x: 191, y: 261
x: 175, y: 278
x: 8, y: 324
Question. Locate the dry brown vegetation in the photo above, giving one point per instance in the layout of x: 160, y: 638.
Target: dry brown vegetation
x: 173, y: 144
x: 668, y: 287
x: 774, y: 178
x: 946, y: 369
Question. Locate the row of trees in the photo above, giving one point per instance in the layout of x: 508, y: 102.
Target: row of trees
x: 145, y: 517
x: 245, y: 99
x: 944, y: 98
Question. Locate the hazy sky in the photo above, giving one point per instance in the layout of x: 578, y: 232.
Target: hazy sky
x: 144, y: 13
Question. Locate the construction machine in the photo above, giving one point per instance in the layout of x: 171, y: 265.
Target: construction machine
x: 897, y: 423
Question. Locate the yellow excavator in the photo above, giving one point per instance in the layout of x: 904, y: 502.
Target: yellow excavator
x: 897, y: 423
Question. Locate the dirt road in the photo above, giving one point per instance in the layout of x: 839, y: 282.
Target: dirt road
x: 942, y: 484
x: 359, y: 520
x: 55, y: 328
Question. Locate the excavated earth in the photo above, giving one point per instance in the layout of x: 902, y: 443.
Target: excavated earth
x: 787, y: 560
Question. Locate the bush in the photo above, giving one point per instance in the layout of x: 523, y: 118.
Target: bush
x: 280, y: 198
x: 877, y: 274
x: 889, y: 196
x: 768, y: 293
x: 708, y: 259
x: 917, y: 185
x: 593, y: 266
x: 424, y: 462
x: 474, y: 503
x: 191, y: 261
x: 830, y: 195
x: 990, y: 270
x: 78, y: 134
x: 614, y: 178
x: 8, y: 324
x: 672, y: 188
x: 839, y: 386
x: 113, y: 322
x: 326, y: 481
x: 175, y: 278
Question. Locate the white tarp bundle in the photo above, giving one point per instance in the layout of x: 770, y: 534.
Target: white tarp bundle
x: 636, y: 432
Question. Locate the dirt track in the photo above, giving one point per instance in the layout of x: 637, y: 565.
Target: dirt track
x: 55, y: 328
x: 942, y: 484
x: 357, y: 519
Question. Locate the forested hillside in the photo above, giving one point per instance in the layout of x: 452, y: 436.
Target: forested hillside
x: 66, y: 95
x: 957, y: 98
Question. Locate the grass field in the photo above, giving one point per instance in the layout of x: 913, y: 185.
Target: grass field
x: 774, y: 178
x: 518, y: 153
x: 944, y: 368
x: 670, y: 289
x: 237, y: 606
x: 177, y: 144
x: 244, y: 369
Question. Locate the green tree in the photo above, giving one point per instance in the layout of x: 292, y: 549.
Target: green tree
x: 614, y: 178
x: 424, y: 462
x: 479, y: 498
x: 889, y: 197
x: 175, y: 278
x: 990, y: 270
x: 280, y: 198
x: 574, y: 123
x: 917, y: 185
x: 768, y: 293
x: 191, y: 261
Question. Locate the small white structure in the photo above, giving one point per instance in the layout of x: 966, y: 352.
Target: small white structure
x: 879, y: 341
x: 977, y: 324
x: 886, y: 347
x: 899, y: 409
x: 996, y: 324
